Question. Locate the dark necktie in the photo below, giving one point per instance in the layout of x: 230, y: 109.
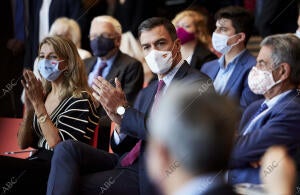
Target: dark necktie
x: 262, y: 108
x: 133, y: 154
x: 101, y: 68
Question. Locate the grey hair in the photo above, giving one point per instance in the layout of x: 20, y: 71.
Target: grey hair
x: 109, y: 19
x: 69, y: 26
x: 285, y: 49
x: 195, y: 127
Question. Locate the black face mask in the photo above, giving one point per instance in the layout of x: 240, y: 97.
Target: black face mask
x: 101, y: 46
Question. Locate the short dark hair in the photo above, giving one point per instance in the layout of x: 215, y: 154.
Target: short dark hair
x: 153, y: 22
x: 242, y: 20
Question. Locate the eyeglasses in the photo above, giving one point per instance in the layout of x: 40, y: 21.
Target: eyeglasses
x: 105, y: 35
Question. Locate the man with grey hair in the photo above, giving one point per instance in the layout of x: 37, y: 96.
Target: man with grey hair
x: 274, y: 120
x: 194, y: 159
x: 109, y: 62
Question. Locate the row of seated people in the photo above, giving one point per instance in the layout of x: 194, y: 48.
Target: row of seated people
x: 274, y: 76
x: 272, y: 120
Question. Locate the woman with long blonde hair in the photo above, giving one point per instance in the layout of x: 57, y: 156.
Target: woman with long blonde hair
x: 57, y: 108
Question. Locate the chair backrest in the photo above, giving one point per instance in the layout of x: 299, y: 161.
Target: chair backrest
x: 8, y: 137
x: 112, y: 127
x: 95, y: 138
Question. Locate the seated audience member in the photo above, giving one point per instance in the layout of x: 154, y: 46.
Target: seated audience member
x: 278, y: 171
x: 109, y: 62
x: 274, y: 120
x: 193, y: 34
x: 57, y: 108
x: 230, y: 72
x: 70, y: 29
x: 193, y: 159
x: 79, y: 168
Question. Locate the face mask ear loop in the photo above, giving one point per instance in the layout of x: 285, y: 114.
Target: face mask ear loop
x: 58, y: 65
x: 275, y: 82
x: 234, y: 43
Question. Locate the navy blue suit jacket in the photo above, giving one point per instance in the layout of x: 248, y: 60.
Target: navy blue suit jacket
x: 134, y: 120
x: 237, y: 86
x: 279, y: 126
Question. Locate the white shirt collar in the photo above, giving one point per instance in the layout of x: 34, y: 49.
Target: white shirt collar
x: 270, y: 103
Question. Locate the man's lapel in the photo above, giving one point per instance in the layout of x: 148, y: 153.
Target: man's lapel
x: 238, y: 69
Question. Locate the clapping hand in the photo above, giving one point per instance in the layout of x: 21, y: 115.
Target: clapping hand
x: 33, y: 90
x: 110, y: 97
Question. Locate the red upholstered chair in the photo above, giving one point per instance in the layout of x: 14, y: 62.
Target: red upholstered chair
x: 8, y: 138
x: 9, y: 142
x: 95, y: 138
x: 112, y: 127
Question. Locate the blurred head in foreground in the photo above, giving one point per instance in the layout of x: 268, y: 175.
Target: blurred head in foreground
x: 191, y: 135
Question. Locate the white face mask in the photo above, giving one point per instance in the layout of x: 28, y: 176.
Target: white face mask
x: 260, y: 81
x: 297, y: 34
x: 159, y: 61
x: 219, y: 42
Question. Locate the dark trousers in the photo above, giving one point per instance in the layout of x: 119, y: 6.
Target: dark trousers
x: 79, y: 168
x: 23, y: 176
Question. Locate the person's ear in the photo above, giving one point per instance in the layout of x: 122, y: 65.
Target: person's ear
x: 238, y: 38
x: 241, y: 37
x: 177, y: 45
x: 118, y: 41
x: 62, y: 65
x: 284, y: 71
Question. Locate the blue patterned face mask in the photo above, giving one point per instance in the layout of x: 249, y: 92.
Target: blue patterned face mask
x: 49, y: 69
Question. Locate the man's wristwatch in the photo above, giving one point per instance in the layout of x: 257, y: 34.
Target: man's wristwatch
x: 121, y: 110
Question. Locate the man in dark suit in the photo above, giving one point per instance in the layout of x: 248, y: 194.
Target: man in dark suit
x: 274, y: 120
x: 109, y: 62
x: 230, y: 72
x: 127, y: 175
x: 190, y: 149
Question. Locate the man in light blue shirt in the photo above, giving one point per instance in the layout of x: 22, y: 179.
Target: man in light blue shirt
x: 230, y: 72
x: 226, y: 71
